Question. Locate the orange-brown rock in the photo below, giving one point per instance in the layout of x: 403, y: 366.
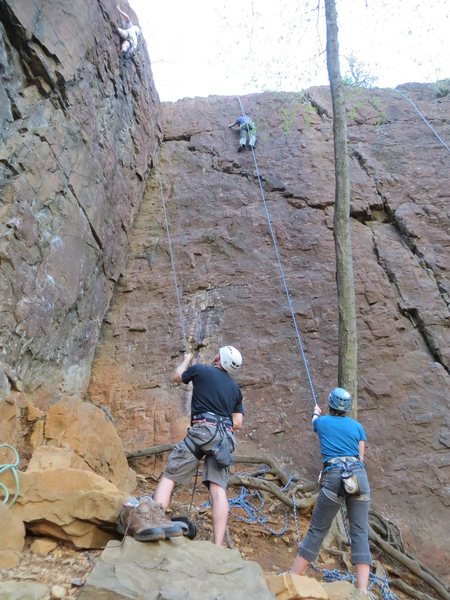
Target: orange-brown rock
x: 288, y: 586
x: 51, y: 457
x: 87, y: 431
x: 68, y: 504
x: 12, y: 537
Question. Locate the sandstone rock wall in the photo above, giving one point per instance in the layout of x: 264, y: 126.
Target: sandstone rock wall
x: 231, y: 291
x: 78, y: 133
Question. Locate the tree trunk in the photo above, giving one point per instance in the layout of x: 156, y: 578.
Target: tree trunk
x: 347, y: 352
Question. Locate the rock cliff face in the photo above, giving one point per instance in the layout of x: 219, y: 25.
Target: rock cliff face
x: 79, y: 130
x: 79, y: 143
x: 231, y: 290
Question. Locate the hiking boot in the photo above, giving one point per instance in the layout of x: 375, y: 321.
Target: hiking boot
x: 154, y: 512
x: 136, y: 520
x: 241, y: 147
x: 140, y: 518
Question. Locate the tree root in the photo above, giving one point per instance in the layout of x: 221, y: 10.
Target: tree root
x: 412, y: 564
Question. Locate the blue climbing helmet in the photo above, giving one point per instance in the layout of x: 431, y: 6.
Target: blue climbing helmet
x: 339, y: 399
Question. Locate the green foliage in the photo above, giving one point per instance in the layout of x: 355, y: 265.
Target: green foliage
x: 288, y: 118
x: 292, y: 109
x: 364, y: 105
x: 357, y: 74
x: 442, y: 88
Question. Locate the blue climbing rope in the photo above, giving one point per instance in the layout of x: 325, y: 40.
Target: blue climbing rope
x: 382, y: 583
x: 13, y: 466
x: 245, y: 501
x: 254, y: 514
x: 281, y: 270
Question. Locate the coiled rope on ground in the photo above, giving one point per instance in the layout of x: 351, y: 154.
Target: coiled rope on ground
x: 13, y: 467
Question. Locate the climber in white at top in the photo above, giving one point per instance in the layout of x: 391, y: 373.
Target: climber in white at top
x: 129, y: 35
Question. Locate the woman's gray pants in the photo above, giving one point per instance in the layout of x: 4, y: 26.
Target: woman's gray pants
x: 330, y: 499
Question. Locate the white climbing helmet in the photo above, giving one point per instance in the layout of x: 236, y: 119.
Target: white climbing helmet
x: 230, y: 358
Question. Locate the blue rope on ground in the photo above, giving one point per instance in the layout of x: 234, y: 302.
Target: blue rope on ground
x: 13, y: 468
x: 330, y: 575
x: 254, y: 513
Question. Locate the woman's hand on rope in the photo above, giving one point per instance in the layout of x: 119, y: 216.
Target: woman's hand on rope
x: 316, y: 412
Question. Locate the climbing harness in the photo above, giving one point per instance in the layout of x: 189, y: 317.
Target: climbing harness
x: 220, y: 450
x: 424, y: 119
x: 13, y: 468
x: 281, y: 270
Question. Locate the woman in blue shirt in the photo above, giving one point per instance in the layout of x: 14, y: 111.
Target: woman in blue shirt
x: 343, y: 481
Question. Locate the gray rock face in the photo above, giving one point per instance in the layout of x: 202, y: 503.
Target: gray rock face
x: 231, y: 291
x: 78, y: 132
x: 174, y: 570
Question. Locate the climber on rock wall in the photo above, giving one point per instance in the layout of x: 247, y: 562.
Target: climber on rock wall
x: 129, y: 35
x: 216, y: 409
x: 247, y: 131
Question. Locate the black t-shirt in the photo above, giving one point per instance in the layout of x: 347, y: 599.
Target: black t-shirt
x: 214, y: 391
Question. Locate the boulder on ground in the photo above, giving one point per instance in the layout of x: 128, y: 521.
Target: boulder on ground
x: 288, y: 586
x: 12, y: 536
x: 154, y: 570
x: 69, y: 504
x: 81, y: 426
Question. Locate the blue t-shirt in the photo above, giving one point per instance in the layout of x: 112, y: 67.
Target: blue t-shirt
x: 214, y: 391
x: 338, y: 436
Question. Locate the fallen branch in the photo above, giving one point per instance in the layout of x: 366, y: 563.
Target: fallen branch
x: 305, y: 486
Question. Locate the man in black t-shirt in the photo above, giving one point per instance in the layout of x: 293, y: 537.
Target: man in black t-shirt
x: 216, y: 409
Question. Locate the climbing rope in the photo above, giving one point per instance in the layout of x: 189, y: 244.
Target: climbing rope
x: 281, y: 270
x: 424, y: 119
x: 13, y: 468
x: 254, y: 513
x: 252, y: 504
x: 172, y: 261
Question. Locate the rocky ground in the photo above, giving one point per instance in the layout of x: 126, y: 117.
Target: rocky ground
x: 67, y: 568
x: 64, y: 569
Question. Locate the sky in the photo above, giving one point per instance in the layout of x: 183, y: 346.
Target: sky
x: 237, y: 47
